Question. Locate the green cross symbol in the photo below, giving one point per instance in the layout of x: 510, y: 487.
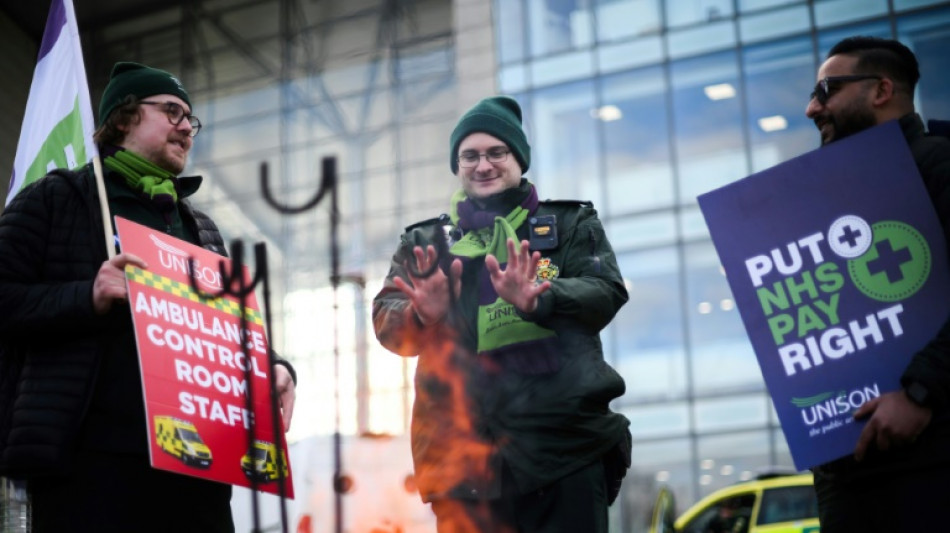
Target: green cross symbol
x: 896, y: 265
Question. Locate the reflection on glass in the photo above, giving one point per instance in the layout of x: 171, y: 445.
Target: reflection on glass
x: 568, y: 165
x: 928, y: 35
x: 748, y: 451
x: 239, y: 106
x: 774, y: 24
x: 309, y: 313
x: 513, y: 78
x: 636, y: 142
x: 832, y: 12
x: 630, y: 54
x: 735, y: 412
x: 686, y: 12
x: 665, y: 462
x: 692, y: 225
x: 558, y: 25
x: 509, y: 30
x: 563, y: 67
x: 911, y: 4
x: 778, y: 77
x: 708, y: 124
x: 783, y: 456
x: 717, y: 337
x: 649, y: 329
x: 227, y: 143
x: 695, y: 40
x: 654, y: 421
x: 642, y: 231
x: 753, y: 5
x: 618, y: 19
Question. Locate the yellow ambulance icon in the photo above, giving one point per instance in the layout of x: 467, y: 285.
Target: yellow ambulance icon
x: 260, y: 462
x: 180, y: 439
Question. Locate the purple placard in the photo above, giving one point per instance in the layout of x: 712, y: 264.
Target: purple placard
x: 838, y: 266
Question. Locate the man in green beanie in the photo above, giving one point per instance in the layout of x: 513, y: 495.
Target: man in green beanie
x: 72, y: 416
x: 511, y: 428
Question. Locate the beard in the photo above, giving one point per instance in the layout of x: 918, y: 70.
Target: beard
x: 846, y: 122
x: 172, y: 165
x: 167, y: 161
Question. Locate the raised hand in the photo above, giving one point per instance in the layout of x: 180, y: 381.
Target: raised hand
x: 430, y: 296
x: 517, y: 284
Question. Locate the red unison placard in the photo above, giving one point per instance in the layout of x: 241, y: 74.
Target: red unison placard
x: 195, y: 375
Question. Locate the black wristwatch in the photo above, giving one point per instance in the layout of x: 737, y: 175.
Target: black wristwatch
x: 918, y: 393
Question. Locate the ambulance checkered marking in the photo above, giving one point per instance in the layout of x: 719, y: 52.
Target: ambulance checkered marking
x: 183, y: 290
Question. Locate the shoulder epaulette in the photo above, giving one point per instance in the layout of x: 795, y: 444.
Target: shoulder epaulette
x: 569, y: 203
x: 443, y: 218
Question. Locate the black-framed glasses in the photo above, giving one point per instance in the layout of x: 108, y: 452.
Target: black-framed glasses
x: 470, y: 158
x: 829, y: 85
x: 176, y: 113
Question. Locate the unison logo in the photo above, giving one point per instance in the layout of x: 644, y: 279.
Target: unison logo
x: 176, y: 259
x: 825, y: 406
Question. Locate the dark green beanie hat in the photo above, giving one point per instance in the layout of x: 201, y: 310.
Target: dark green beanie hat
x: 498, y: 116
x: 134, y: 79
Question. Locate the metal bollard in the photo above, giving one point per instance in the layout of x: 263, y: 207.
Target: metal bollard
x: 15, y: 512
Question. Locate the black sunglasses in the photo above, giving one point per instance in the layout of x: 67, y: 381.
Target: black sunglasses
x: 830, y: 84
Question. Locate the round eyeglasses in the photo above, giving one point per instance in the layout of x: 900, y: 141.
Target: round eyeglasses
x: 176, y: 113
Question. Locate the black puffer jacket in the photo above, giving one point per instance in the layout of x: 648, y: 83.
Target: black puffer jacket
x: 51, y: 341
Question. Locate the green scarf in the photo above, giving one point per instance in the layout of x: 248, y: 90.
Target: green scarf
x: 488, y: 240
x: 501, y: 332
x: 142, y: 175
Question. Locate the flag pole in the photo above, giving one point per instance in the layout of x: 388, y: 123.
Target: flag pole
x: 86, y: 107
x: 104, y: 207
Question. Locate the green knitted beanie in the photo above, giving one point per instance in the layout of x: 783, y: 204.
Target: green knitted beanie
x: 498, y: 116
x: 134, y: 79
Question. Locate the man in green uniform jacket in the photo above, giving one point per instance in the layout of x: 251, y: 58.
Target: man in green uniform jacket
x: 511, y: 426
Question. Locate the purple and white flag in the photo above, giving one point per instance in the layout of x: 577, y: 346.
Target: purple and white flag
x: 58, y: 123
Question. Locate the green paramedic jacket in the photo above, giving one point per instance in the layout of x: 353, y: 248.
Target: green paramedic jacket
x: 471, y: 414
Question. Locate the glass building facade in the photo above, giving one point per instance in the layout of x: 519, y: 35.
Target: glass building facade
x: 640, y: 106
x: 636, y: 105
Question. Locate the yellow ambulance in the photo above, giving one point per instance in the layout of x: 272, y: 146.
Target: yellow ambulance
x: 260, y: 462
x: 180, y: 439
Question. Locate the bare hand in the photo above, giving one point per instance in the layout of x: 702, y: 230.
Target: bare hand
x: 430, y: 296
x: 109, y: 284
x: 286, y: 393
x: 894, y: 421
x: 517, y: 283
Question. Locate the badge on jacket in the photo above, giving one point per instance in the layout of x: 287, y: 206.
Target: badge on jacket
x: 543, y: 234
x: 547, y: 271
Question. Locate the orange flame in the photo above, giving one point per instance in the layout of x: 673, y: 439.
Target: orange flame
x: 443, y: 381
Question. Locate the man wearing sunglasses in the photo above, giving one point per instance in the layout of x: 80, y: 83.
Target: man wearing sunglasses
x: 902, y: 458
x: 72, y: 419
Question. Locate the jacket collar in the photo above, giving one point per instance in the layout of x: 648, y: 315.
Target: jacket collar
x: 187, y: 185
x: 912, y: 126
